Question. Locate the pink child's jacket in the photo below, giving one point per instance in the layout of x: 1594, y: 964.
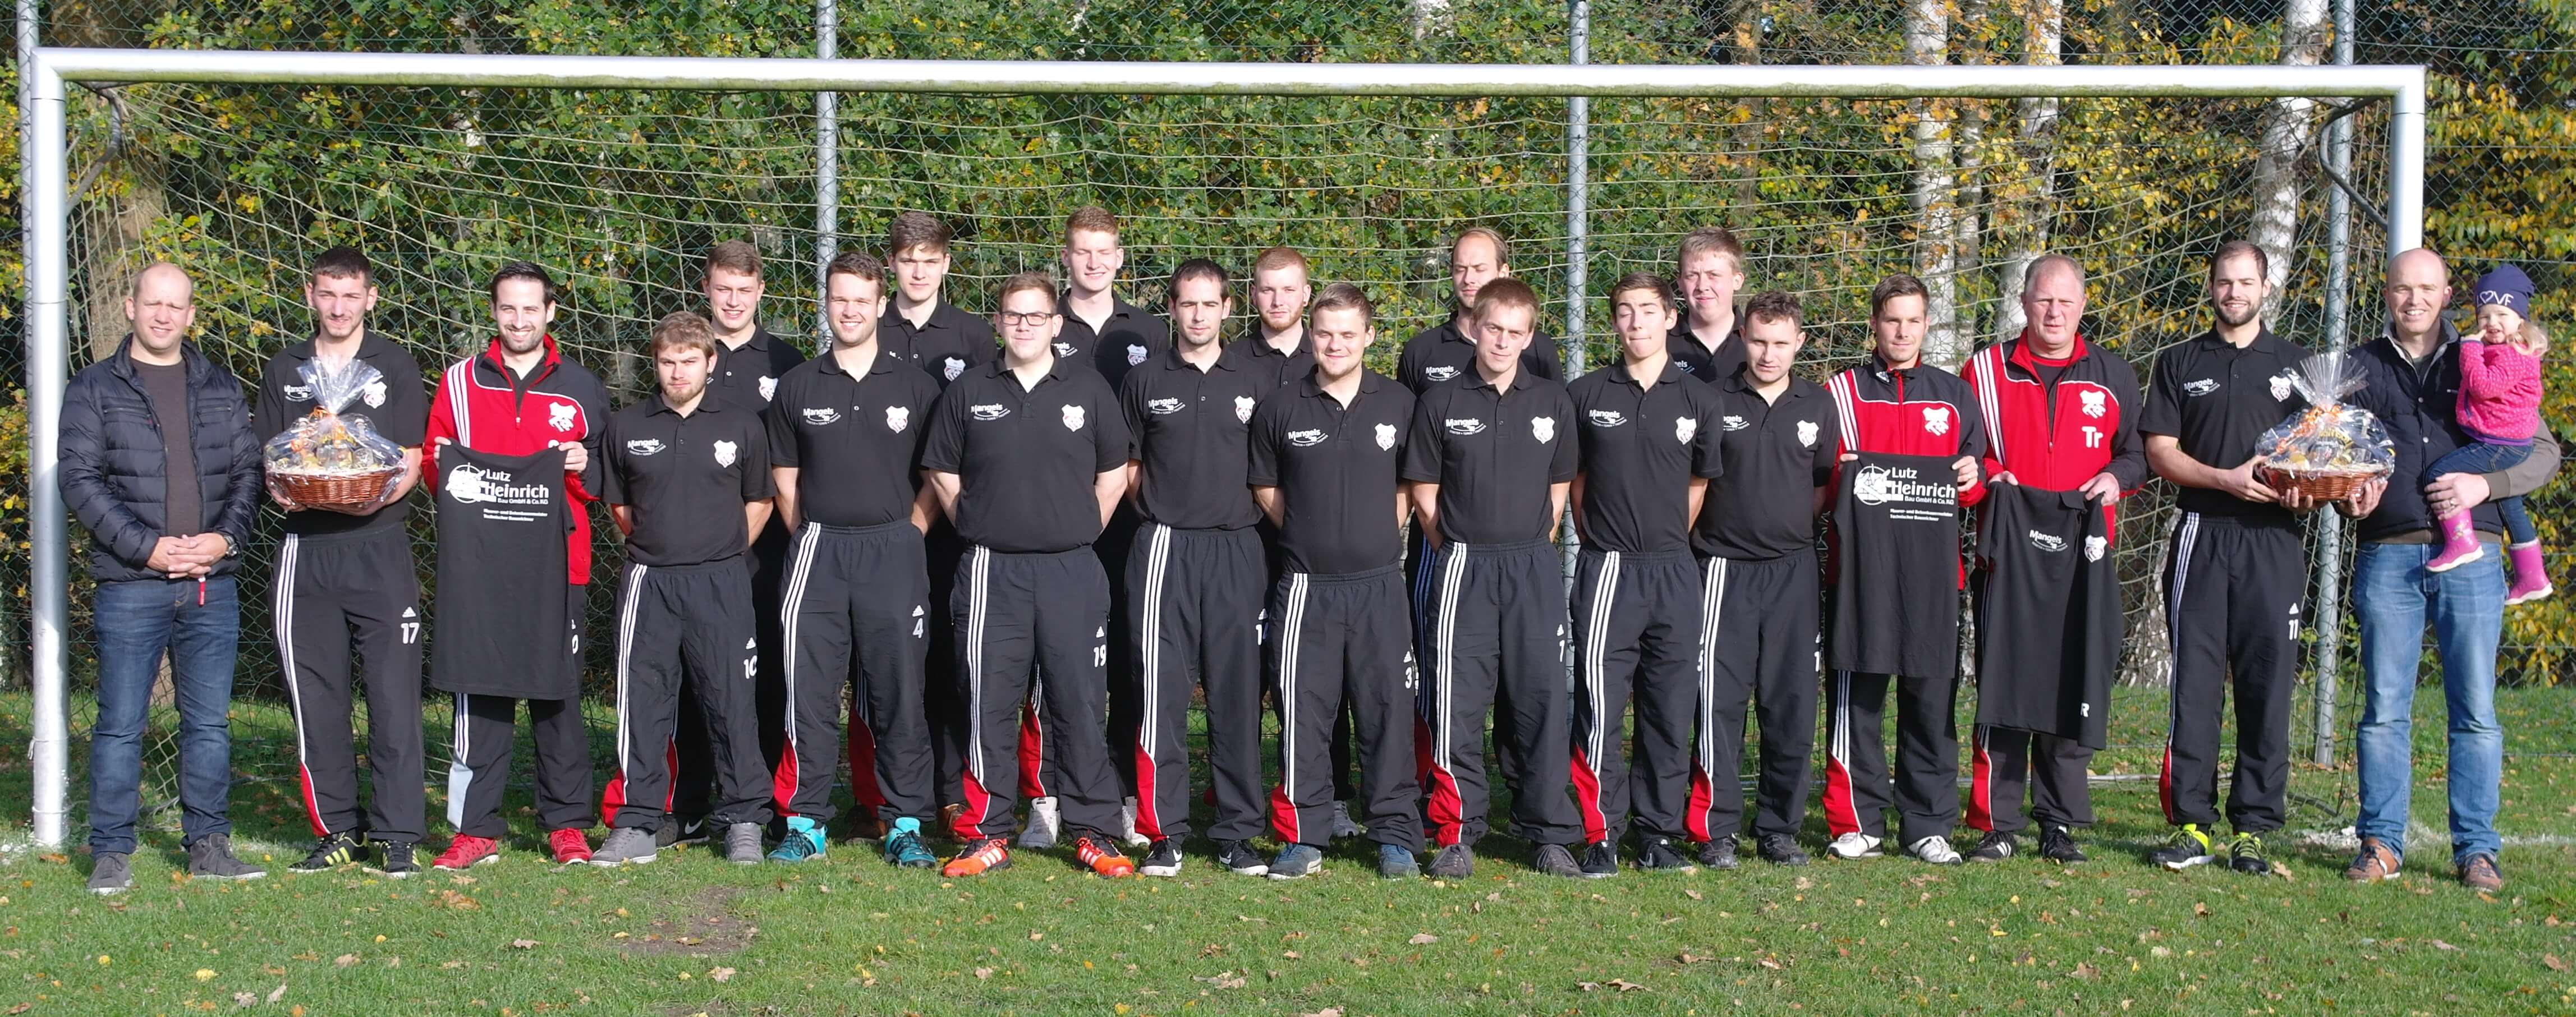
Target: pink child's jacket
x: 2499, y: 393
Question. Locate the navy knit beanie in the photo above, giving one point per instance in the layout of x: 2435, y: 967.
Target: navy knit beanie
x: 2506, y: 285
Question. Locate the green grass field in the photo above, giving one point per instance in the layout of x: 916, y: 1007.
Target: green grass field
x: 691, y: 935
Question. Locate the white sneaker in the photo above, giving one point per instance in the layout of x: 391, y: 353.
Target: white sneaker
x: 1040, y: 831
x: 1935, y: 850
x: 1854, y: 846
x: 1127, y: 825
x: 1342, y: 824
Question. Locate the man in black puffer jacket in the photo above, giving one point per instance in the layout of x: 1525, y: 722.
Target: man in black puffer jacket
x: 159, y: 464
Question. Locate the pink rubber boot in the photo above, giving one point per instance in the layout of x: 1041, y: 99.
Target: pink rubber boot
x: 2459, y: 544
x: 2530, y: 574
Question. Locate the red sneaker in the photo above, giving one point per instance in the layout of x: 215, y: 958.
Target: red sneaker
x: 467, y: 851
x: 1103, y: 859
x: 571, y: 846
x: 988, y: 855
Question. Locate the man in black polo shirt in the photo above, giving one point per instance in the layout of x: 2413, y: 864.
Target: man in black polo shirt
x: 1490, y: 459
x: 1448, y: 350
x: 1647, y: 460
x: 1756, y: 539
x: 1704, y: 341
x: 1325, y: 458
x: 345, y: 581
x: 1029, y: 455
x: 1278, y: 343
x: 1109, y: 334
x: 687, y: 482
x: 2235, y: 571
x: 1196, y: 575
x: 845, y: 444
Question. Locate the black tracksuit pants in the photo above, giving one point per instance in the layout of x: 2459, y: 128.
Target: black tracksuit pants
x: 942, y: 697
x: 1759, y: 644
x: 1342, y: 647
x: 2005, y: 760
x: 2232, y: 592
x: 1196, y: 599
x: 1019, y: 615
x: 334, y: 593
x: 686, y: 632
x: 692, y: 781
x: 1495, y: 642
x: 480, y: 746
x: 1116, y: 545
x: 1858, y: 787
x: 1637, y: 620
x: 856, y: 608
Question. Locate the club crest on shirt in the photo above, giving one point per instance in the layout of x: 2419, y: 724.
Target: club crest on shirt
x: 820, y: 415
x: 1607, y: 418
x: 559, y: 416
x: 2049, y: 542
x: 1686, y: 367
x: 1072, y: 418
x: 1936, y: 420
x: 2094, y: 546
x: 2281, y: 388
x: 988, y: 411
x: 1543, y: 428
x: 2200, y: 386
x: 374, y: 393
x: 898, y: 418
x: 1730, y: 422
x: 644, y: 446
x: 296, y: 393
x: 1163, y: 407
x: 1440, y: 373
x: 724, y: 453
x: 1464, y: 425
x: 768, y: 387
x: 1063, y: 349
x: 1135, y: 354
x: 1386, y: 436
x: 952, y: 367
x: 1807, y: 433
x: 1307, y: 438
x: 1684, y: 428
x: 1243, y: 409
x: 2096, y: 402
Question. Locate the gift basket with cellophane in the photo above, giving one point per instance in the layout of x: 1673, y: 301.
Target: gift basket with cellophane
x: 2331, y: 448
x: 331, y: 457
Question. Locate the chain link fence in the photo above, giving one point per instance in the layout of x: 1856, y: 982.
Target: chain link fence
x: 622, y: 192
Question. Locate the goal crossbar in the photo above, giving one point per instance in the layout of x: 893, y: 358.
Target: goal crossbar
x: 45, y: 161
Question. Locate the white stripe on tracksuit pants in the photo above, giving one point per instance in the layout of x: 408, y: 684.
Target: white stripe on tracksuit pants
x: 1195, y: 604
x: 854, y: 608
x: 1345, y: 640
x: 1638, y: 619
x: 1496, y: 644
x: 1016, y: 614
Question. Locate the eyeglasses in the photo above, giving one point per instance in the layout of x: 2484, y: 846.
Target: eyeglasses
x: 1033, y: 318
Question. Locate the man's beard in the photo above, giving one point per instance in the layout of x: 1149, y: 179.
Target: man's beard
x: 2251, y: 312
x: 535, y: 340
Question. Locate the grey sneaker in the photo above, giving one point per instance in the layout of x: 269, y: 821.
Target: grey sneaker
x: 626, y: 845
x: 1296, y: 861
x: 1342, y: 824
x: 1044, y: 820
x: 211, y: 857
x: 1394, y: 862
x: 1719, y: 853
x: 109, y: 874
x: 742, y: 843
x: 1555, y: 860
x: 1453, y: 862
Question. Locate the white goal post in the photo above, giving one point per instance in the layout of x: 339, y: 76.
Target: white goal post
x: 47, y: 204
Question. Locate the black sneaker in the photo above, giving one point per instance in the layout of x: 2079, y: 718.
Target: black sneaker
x: 1163, y: 859
x: 1239, y: 858
x: 397, y: 863
x: 2190, y: 846
x: 331, y: 852
x: 1719, y: 853
x: 1555, y: 860
x: 1453, y: 862
x: 211, y: 857
x: 1600, y: 860
x: 109, y: 873
x: 676, y: 831
x: 1659, y: 855
x: 1996, y: 847
x: 2245, y: 854
x: 2057, y: 844
x: 1781, y: 849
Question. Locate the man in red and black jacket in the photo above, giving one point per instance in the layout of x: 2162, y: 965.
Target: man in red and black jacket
x: 519, y: 396
x: 2061, y: 415
x: 1898, y: 406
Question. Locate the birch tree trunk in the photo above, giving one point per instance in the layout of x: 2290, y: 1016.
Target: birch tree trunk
x: 2288, y: 130
x: 1935, y: 199
x: 2047, y: 20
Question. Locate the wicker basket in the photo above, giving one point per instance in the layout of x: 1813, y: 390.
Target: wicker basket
x: 2319, y: 485
x: 334, y: 488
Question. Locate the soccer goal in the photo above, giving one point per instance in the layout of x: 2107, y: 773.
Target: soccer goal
x: 617, y: 171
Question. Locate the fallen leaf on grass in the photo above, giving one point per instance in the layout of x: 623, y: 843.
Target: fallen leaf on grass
x: 205, y: 974
x: 1625, y: 985
x: 721, y: 974
x: 1768, y: 963
x: 1330, y: 1011
x: 2086, y: 972
x: 1422, y: 939
x: 1224, y: 980
x: 24, y: 1007
x: 1693, y: 894
x: 344, y: 960
x: 1588, y: 986
x: 277, y: 993
x: 523, y: 944
x: 2439, y: 945
x: 245, y: 999
x: 1688, y: 957
x: 2199, y: 909
x: 2554, y: 963
x: 983, y: 973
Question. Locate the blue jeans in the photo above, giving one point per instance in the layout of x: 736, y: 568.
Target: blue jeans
x: 2480, y: 457
x: 2395, y: 597
x: 136, y: 621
